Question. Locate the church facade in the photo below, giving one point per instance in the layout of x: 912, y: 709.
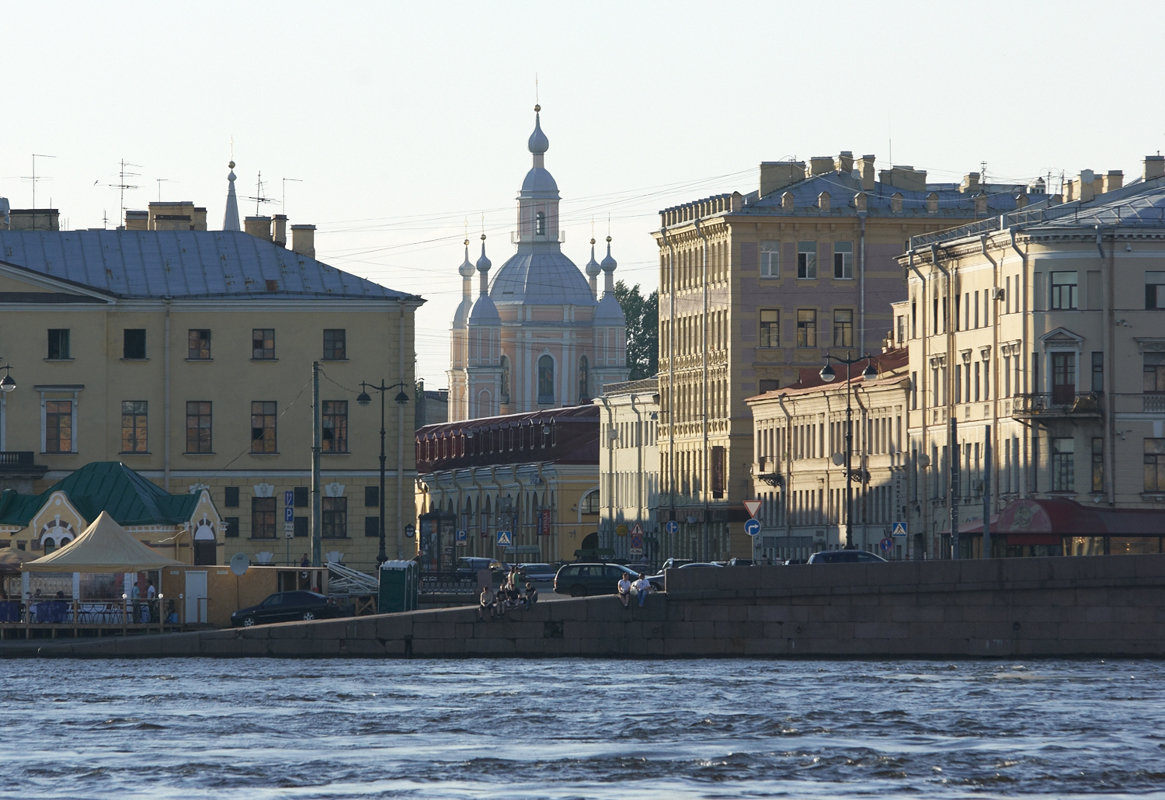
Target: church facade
x: 537, y: 334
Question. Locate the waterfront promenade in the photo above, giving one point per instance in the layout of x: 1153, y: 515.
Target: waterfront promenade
x: 1035, y: 607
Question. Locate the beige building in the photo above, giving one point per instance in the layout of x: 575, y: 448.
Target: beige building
x: 755, y: 288
x: 629, y: 522
x: 518, y: 488
x: 802, y: 435
x: 188, y: 355
x: 1037, y: 365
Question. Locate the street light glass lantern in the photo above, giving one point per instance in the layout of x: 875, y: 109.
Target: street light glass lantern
x: 7, y: 384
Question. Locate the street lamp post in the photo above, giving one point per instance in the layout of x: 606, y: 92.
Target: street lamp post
x: 401, y: 399
x: 828, y: 375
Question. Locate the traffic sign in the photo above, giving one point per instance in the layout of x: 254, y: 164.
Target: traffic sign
x: 505, y: 539
x: 752, y: 527
x: 887, y: 544
x: 461, y: 537
x: 752, y: 506
x: 899, y: 529
x: 637, y: 530
x: 289, y: 497
x: 672, y: 526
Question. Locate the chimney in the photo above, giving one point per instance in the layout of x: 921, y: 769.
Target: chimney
x: 198, y: 219
x: 970, y: 184
x: 820, y: 165
x: 845, y: 162
x: 259, y: 227
x: 1083, y: 188
x: 137, y: 220
x: 303, y: 240
x: 1154, y: 167
x: 279, y: 230
x: 866, y: 170
x: 776, y: 175
x: 905, y: 177
x: 1114, y: 180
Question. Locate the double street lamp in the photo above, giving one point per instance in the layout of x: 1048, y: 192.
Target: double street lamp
x: 401, y: 399
x: 828, y: 375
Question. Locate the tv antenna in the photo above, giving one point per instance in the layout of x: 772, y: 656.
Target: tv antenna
x: 33, y: 177
x: 259, y: 198
x: 160, y: 182
x: 283, y: 204
x: 124, y: 175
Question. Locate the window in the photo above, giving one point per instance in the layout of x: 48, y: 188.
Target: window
x: 590, y: 503
x: 768, y: 385
x: 807, y: 260
x: 263, y: 426
x: 59, y: 343
x: 371, y: 527
x: 198, y: 427
x: 505, y: 391
x: 335, y: 517
x: 133, y: 345
x: 584, y: 380
x: 1098, y: 464
x: 843, y: 327
x: 546, y: 380
x: 1063, y: 291
x: 133, y: 426
x: 770, y: 259
x: 1063, y: 476
x: 843, y: 260
x: 198, y: 344
x: 1154, y: 290
x: 230, y: 497
x: 58, y: 421
x: 232, y: 527
x: 806, y: 327
x: 334, y: 426
x: 301, y: 495
x: 262, y: 517
x: 1097, y: 371
x: 770, y: 327
x: 540, y: 223
x: 372, y: 497
x: 263, y: 344
x: 335, y: 345
x: 1155, y: 465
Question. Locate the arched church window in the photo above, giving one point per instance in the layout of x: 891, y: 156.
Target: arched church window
x: 584, y: 394
x: 505, y: 396
x: 540, y: 224
x: 546, y: 380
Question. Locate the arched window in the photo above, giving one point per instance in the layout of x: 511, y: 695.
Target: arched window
x: 505, y: 363
x: 546, y: 380
x: 539, y: 224
x: 584, y: 394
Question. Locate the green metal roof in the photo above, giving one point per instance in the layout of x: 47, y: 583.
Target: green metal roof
x: 104, y: 486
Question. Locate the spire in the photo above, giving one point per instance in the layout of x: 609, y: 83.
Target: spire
x: 231, y: 218
x: 593, y: 270
x: 483, y: 265
x: 608, y: 267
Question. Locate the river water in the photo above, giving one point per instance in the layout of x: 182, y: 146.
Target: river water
x: 257, y: 728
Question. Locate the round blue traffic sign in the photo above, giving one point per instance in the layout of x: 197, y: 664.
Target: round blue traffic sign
x: 752, y: 527
x: 672, y: 526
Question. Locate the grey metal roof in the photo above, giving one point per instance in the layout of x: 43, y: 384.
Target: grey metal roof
x: 182, y: 264
x: 540, y: 277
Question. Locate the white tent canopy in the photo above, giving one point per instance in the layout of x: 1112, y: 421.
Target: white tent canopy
x: 105, y: 546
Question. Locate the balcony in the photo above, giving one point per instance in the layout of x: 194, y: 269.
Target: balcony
x: 1048, y: 406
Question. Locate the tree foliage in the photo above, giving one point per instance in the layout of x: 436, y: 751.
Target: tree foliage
x: 642, y: 315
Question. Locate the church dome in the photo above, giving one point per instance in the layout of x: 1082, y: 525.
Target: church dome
x: 538, y: 143
x: 540, y: 278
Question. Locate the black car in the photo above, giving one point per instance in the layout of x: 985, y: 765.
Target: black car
x: 287, y: 606
x: 845, y: 557
x: 582, y: 579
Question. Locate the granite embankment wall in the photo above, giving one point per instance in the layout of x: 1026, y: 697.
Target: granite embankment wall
x: 1096, y: 606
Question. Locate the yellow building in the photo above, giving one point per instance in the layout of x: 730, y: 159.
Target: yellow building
x: 1037, y: 359
x: 188, y: 355
x: 756, y: 287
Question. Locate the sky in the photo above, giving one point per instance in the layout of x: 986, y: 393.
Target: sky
x: 400, y: 128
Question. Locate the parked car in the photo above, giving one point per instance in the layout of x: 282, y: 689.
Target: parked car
x: 538, y: 573
x: 657, y: 581
x: 845, y: 557
x: 672, y: 563
x: 285, y: 607
x: 586, y: 578
x: 471, y: 565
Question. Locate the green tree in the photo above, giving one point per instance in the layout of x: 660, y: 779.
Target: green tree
x: 642, y: 315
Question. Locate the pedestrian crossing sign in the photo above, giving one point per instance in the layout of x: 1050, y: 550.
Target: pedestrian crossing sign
x: 899, y: 529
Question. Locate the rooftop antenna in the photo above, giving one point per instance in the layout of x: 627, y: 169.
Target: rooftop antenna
x: 160, y: 181
x: 33, y: 178
x: 283, y: 203
x: 123, y: 174
x: 259, y: 198
x: 983, y: 176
